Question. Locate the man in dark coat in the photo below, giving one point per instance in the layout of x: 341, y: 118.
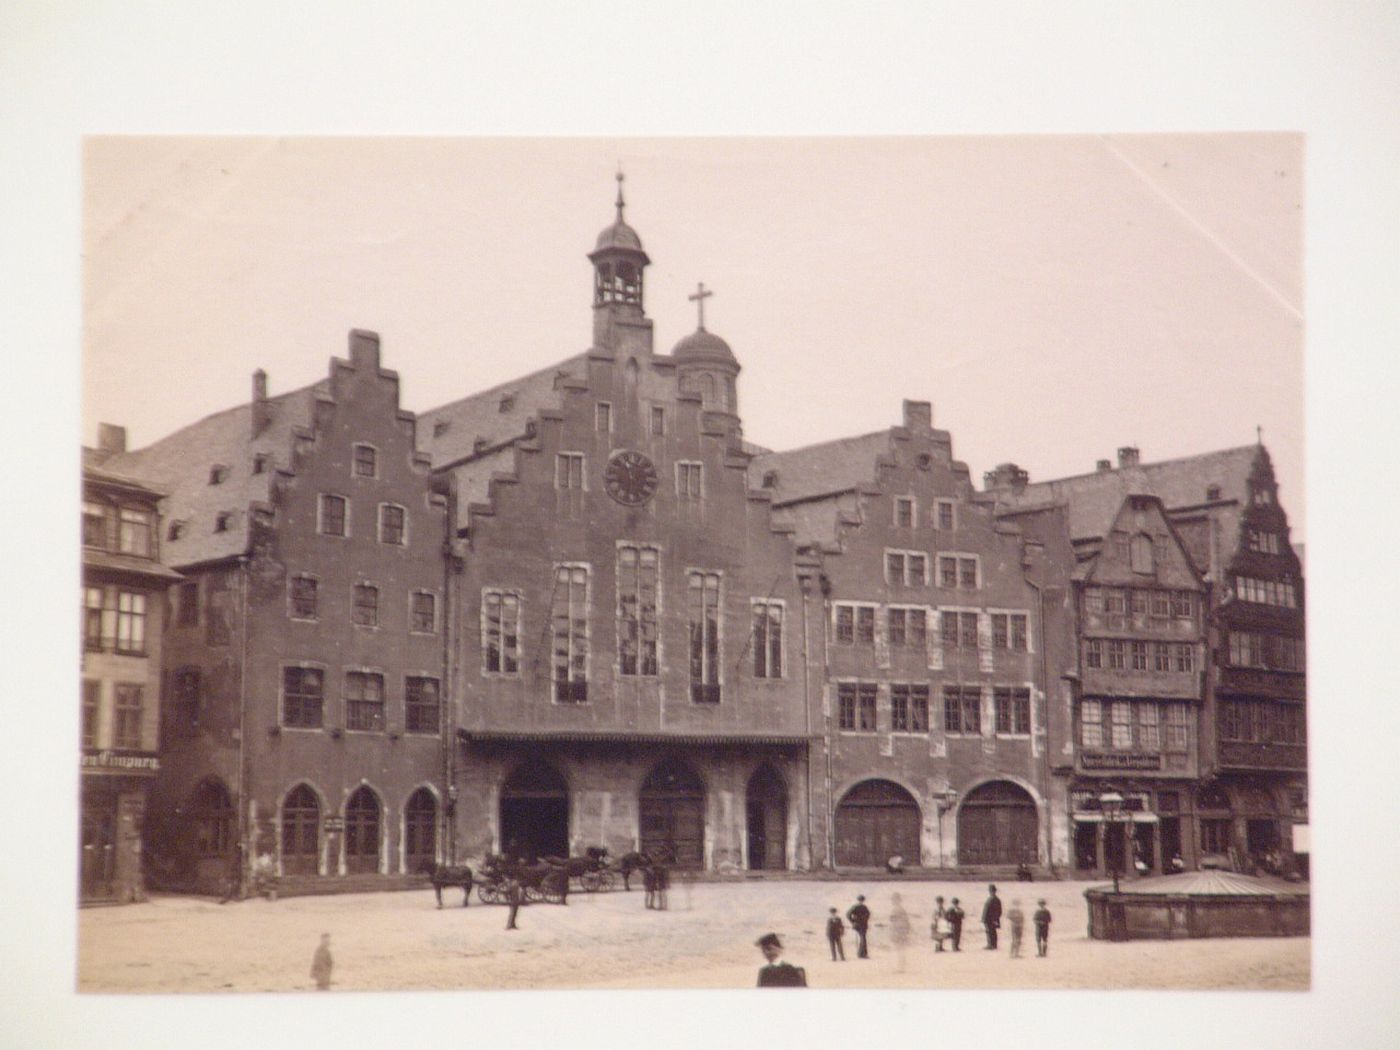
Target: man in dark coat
x: 1041, y: 918
x: 515, y: 896
x: 835, y: 931
x: 859, y: 917
x: 955, y: 920
x: 991, y: 917
x: 778, y: 974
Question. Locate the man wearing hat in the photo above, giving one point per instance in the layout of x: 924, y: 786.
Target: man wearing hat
x: 778, y: 974
x: 991, y: 917
x: 955, y: 920
x: 859, y: 916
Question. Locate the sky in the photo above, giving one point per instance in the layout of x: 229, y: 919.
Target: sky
x: 1055, y: 297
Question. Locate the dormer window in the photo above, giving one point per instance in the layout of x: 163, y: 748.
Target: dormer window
x: 176, y: 530
x: 94, y: 524
x: 260, y: 463
x: 440, y: 428
x: 217, y: 473
x: 223, y: 520
x: 1212, y: 492
x: 507, y: 404
x: 770, y: 479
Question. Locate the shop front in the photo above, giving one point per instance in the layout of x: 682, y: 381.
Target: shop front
x: 1140, y: 836
x: 112, y: 810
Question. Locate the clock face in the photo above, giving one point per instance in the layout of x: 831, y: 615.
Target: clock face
x: 630, y: 478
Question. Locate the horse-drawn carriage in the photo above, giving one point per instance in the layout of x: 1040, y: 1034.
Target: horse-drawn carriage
x: 593, y: 870
x: 539, y: 882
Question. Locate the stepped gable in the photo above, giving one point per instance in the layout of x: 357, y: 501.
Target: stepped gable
x: 466, y: 427
x: 182, y: 465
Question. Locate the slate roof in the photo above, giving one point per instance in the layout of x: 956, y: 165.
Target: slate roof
x: 452, y: 431
x: 180, y: 465
x: 1094, y: 499
x: 822, y: 469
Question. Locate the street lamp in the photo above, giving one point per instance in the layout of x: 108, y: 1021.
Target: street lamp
x: 1111, y: 804
x: 946, y: 801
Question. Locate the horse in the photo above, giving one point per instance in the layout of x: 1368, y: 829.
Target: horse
x: 449, y: 875
x: 632, y: 862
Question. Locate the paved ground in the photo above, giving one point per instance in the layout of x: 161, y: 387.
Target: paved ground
x: 400, y: 941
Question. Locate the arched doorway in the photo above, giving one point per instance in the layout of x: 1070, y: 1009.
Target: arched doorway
x: 877, y: 820
x: 672, y: 814
x: 535, y: 812
x: 419, y: 831
x: 997, y: 824
x: 301, y: 832
x: 362, y: 833
x: 767, y: 820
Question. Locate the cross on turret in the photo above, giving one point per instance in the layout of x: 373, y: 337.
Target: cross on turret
x: 699, y: 300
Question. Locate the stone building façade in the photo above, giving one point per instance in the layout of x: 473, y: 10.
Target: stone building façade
x: 580, y: 609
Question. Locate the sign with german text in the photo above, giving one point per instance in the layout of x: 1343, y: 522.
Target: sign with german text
x: 1120, y: 760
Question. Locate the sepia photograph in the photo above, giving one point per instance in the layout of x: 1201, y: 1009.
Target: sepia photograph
x: 584, y: 516
x: 589, y: 563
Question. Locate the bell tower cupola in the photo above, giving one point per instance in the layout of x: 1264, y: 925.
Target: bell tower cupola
x: 620, y: 323
x: 706, y: 366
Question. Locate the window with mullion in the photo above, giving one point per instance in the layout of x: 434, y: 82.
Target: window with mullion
x: 304, y: 597
x: 365, y: 612
x: 131, y: 622
x: 94, y: 601
x: 92, y: 702
x: 303, y: 697
x: 767, y: 639
x: 422, y: 704
x: 500, y: 632
x: 1013, y: 711
x: 702, y: 601
x: 962, y: 709
x: 126, y: 732
x: 134, y: 532
x: 909, y: 708
x: 392, y: 520
x: 569, y: 624
x: 638, y: 583
x: 95, y: 524
x: 364, y: 701
x: 333, y: 515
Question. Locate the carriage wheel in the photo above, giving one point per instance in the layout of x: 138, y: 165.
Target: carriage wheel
x: 592, y: 881
x: 487, y: 893
x: 534, y: 894
x: 607, y: 880
x: 553, y: 895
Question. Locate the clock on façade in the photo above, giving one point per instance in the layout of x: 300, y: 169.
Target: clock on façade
x: 630, y: 478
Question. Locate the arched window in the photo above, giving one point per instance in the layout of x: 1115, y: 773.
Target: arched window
x: 301, y: 832
x: 420, y: 830
x: 362, y: 833
x: 213, y: 815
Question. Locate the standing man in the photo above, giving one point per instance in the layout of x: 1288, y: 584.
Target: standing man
x: 955, y: 921
x: 835, y: 931
x: 321, y: 964
x: 939, y: 926
x: 859, y: 917
x: 1017, y: 918
x: 991, y: 917
x: 778, y: 974
x: 1041, y: 918
x: 515, y: 896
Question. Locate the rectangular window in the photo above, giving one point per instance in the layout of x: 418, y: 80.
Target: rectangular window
x: 303, y: 697
x: 1230, y: 721
x: 945, y: 514
x: 184, y: 701
x: 1013, y: 711
x: 500, y: 631
x: 702, y: 602
x: 391, y: 524
x: 216, y: 609
x: 94, y: 600
x: 1178, y: 727
x: 658, y: 420
x: 1149, y: 729
x: 365, y: 612
x: 896, y: 630
x: 1001, y: 631
x: 92, y: 701
x: 1115, y: 601
x: 1093, y: 653
x: 1122, y: 713
x: 947, y: 571
x: 906, y: 568
x: 967, y: 573
x: 188, y: 601
x: 638, y: 588
x: 845, y: 625
x: 865, y: 625
x: 1290, y: 724
x: 364, y: 701
x: 908, y: 628
x: 422, y: 612
x: 604, y: 417
x: 569, y: 625
x: 948, y: 628
x: 962, y: 709
x: 332, y: 515
x: 568, y: 470
x: 126, y: 733
x: 134, y: 535
x: 1161, y: 656
x: 366, y: 461
x: 94, y: 524
x: 1139, y: 654
x: 767, y: 639
x: 1183, y: 605
x: 1161, y: 605
x: 690, y: 481
x: 967, y: 633
x: 131, y: 622
x: 1137, y: 600
x: 1117, y: 655
x: 1019, y: 632
x: 904, y: 511
x: 1091, y: 723
x: 1093, y: 602
x: 909, y: 708
x: 857, y: 706
x: 1185, y: 657
x: 304, y: 597
x: 421, y: 705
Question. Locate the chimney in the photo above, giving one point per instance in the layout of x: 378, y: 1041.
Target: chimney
x: 1006, y: 476
x: 262, y: 412
x: 364, y: 349
x: 1103, y: 466
x: 1128, y: 456
x: 918, y: 415
x: 111, y: 438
